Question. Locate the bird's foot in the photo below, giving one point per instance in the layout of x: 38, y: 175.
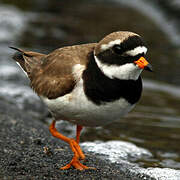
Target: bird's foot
x: 74, y: 144
x: 76, y: 164
x: 78, y: 154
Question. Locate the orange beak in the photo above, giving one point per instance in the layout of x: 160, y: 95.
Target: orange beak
x: 143, y: 64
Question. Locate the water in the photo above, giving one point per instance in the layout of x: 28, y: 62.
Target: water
x: 45, y: 25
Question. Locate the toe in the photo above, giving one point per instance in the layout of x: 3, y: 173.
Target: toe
x: 66, y: 167
x: 76, y: 164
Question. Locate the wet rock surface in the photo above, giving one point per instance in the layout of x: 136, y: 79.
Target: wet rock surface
x: 124, y: 154
x: 28, y: 151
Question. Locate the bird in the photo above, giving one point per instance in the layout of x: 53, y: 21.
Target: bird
x: 93, y: 84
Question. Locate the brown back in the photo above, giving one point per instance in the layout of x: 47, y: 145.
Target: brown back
x: 51, y: 75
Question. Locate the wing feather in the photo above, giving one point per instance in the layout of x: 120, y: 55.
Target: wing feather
x: 51, y: 75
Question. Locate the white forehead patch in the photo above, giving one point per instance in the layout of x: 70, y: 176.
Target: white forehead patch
x: 136, y: 51
x: 110, y: 44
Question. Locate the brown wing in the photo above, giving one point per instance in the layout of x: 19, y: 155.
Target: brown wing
x: 53, y: 78
x: 51, y: 75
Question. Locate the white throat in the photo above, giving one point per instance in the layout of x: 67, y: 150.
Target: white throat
x: 126, y: 71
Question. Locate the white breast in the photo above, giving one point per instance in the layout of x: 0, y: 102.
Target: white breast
x: 76, y: 108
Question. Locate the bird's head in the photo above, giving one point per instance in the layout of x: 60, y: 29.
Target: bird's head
x: 122, y: 55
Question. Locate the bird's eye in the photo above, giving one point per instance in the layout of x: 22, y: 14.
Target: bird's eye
x: 117, y: 49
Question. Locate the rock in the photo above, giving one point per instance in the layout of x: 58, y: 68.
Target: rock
x: 116, y: 151
x: 28, y: 151
x: 23, y: 98
x: 12, y: 73
x: 123, y: 153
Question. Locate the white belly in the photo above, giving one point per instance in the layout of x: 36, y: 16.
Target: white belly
x: 76, y: 108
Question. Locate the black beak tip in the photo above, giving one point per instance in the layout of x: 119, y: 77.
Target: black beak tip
x: 148, y: 68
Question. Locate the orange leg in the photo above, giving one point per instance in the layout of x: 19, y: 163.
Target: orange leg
x: 74, y: 144
x: 78, y: 132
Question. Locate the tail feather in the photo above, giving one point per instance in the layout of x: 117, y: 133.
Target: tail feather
x: 17, y: 49
x: 28, y: 60
x: 19, y: 52
x: 18, y: 57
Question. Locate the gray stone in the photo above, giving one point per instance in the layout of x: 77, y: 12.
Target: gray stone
x: 28, y: 151
x: 123, y: 152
